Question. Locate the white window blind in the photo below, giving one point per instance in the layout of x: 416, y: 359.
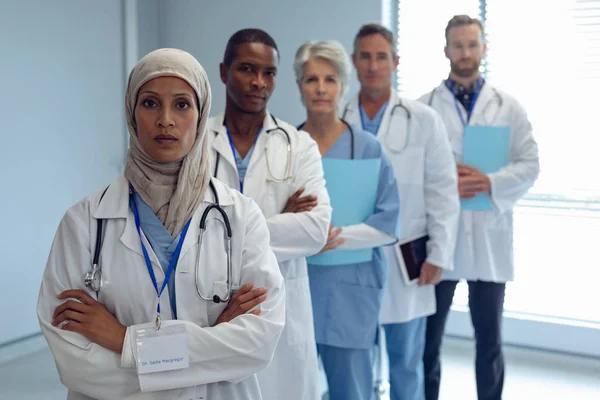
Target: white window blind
x: 547, y: 54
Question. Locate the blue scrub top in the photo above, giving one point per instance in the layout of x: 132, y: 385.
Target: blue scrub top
x: 372, y: 125
x: 347, y: 298
x: 162, y: 243
x: 242, y: 164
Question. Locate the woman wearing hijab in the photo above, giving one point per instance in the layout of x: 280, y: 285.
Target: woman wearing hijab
x: 110, y: 337
x: 347, y: 287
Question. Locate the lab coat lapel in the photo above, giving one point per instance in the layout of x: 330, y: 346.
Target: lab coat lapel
x: 351, y: 112
x: 394, y: 127
x: 384, y: 126
x: 221, y: 147
x: 115, y: 204
x: 253, y: 184
x: 483, y: 105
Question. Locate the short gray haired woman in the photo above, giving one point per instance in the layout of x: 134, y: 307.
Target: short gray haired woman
x: 150, y: 241
x: 330, y: 51
x: 347, y: 296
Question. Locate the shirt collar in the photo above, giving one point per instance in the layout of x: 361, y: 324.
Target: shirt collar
x: 459, y: 89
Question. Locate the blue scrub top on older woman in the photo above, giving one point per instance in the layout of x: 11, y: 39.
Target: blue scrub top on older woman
x: 346, y: 298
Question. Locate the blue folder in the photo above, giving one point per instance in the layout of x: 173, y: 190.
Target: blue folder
x: 352, y: 187
x: 485, y: 148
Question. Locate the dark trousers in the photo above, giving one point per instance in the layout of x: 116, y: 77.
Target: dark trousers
x: 486, y: 303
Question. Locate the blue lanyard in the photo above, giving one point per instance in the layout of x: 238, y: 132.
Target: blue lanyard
x: 362, y: 113
x: 174, y: 260
x: 234, y: 151
x: 473, y: 100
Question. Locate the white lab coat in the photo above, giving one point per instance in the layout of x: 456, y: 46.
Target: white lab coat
x: 223, y: 358
x: 293, y: 374
x: 484, y: 248
x: 422, y: 159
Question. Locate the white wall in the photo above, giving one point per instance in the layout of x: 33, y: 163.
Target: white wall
x: 148, y: 26
x: 62, y: 128
x: 203, y: 28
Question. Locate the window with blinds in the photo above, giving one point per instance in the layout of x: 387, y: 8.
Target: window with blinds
x: 550, y: 61
x: 547, y: 55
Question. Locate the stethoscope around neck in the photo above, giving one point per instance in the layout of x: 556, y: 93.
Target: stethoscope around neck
x: 270, y: 133
x: 228, y: 234
x: 351, y: 136
x: 395, y: 143
x: 93, y: 279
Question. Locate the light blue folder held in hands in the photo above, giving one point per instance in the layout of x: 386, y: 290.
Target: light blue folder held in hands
x: 485, y: 148
x: 352, y: 187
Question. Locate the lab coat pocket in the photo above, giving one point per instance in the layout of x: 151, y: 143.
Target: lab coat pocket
x: 354, y: 315
x: 299, y: 326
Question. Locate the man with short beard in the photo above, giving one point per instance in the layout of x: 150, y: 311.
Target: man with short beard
x: 484, y: 248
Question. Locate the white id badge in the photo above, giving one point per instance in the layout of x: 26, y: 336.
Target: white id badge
x: 163, y: 349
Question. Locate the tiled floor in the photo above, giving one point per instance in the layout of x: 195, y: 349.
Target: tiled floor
x: 31, y: 377
x: 530, y: 375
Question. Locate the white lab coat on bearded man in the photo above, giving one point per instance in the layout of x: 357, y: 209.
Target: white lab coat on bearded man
x: 484, y: 248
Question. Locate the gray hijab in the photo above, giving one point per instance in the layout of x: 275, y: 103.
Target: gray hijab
x: 172, y: 190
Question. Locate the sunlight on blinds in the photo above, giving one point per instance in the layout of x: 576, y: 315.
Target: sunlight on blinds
x: 548, y: 56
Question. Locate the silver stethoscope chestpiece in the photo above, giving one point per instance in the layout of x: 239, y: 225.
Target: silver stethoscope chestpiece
x: 93, y: 279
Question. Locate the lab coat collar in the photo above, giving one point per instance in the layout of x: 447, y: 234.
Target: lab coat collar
x: 269, y: 122
x: 485, y: 95
x: 444, y: 92
x: 225, y: 198
x: 384, y: 127
x: 115, y: 203
x: 220, y: 143
x: 217, y: 123
x: 352, y: 111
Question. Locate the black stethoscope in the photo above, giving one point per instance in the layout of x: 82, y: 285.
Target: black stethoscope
x: 351, y: 136
x: 270, y: 176
x: 93, y: 279
x: 398, y: 105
